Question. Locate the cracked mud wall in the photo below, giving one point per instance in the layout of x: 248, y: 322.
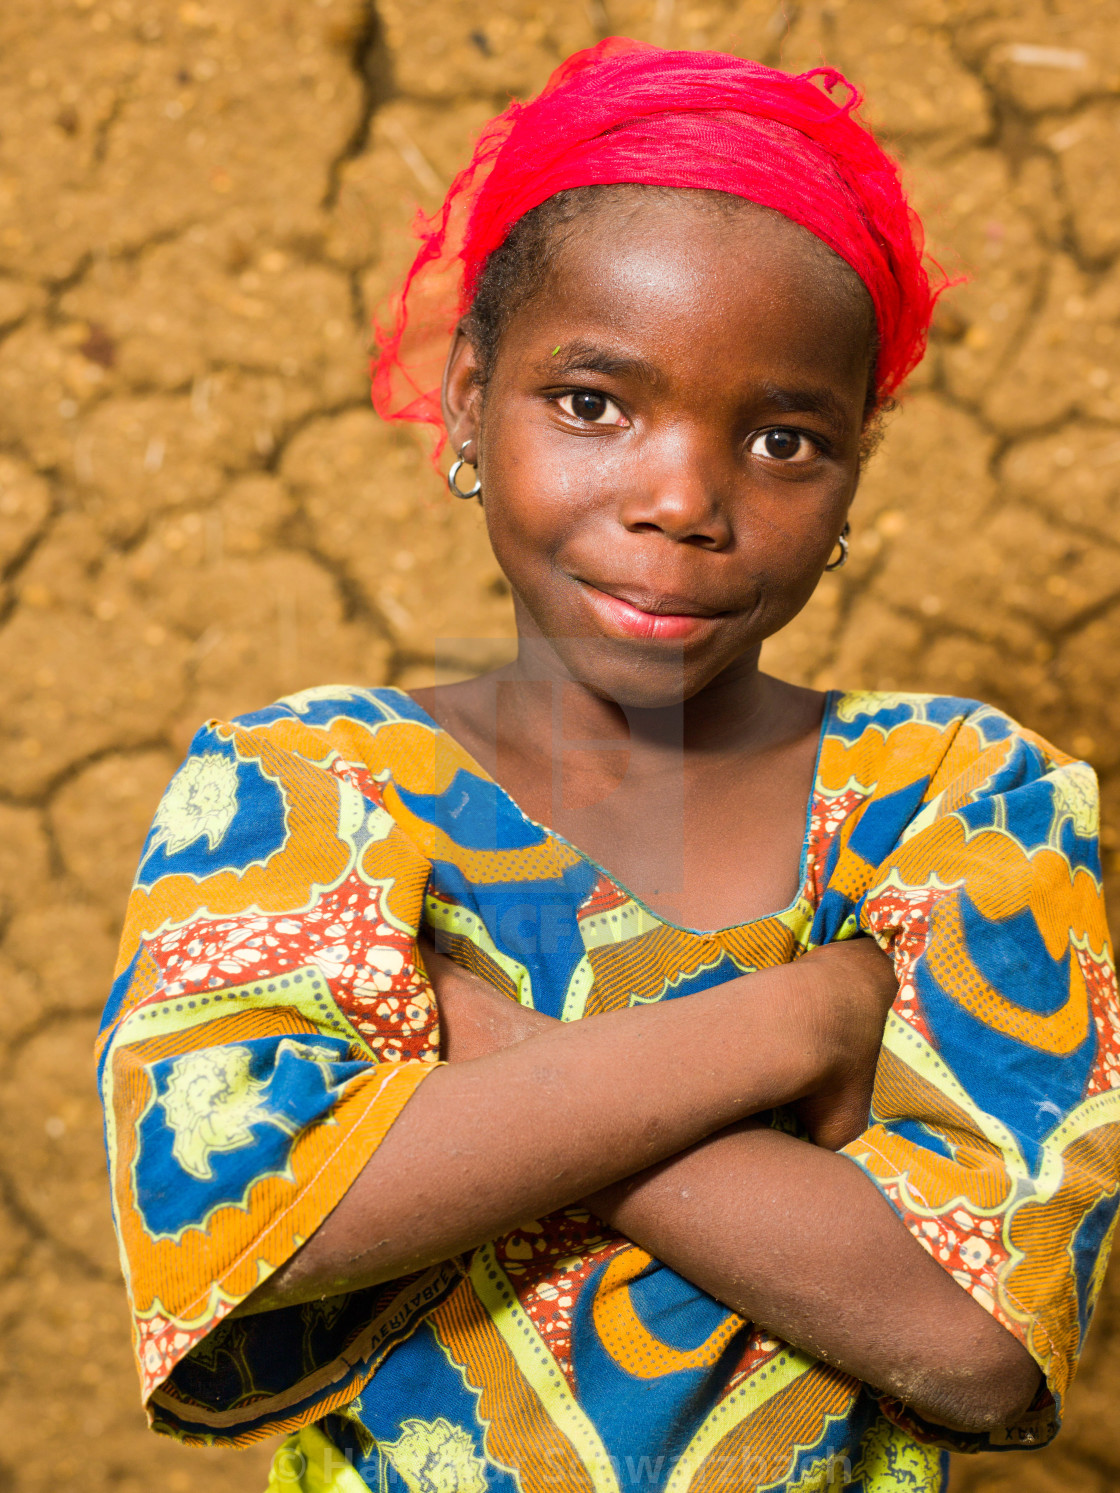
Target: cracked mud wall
x: 199, y: 204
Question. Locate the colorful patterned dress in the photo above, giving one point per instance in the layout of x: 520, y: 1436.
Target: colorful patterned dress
x: 269, y: 1021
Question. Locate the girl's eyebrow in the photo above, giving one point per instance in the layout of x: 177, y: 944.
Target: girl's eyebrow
x: 820, y: 401
x: 587, y: 357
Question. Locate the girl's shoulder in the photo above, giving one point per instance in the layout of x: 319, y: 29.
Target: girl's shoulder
x: 369, y: 737
x: 850, y: 712
x: 912, y: 717
x: 888, y: 740
x: 380, y: 728
x: 369, y: 709
x: 270, y: 789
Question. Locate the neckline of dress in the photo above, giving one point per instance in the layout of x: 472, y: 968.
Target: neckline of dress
x: 830, y: 699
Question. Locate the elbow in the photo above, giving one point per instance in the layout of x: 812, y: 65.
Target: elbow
x: 986, y: 1398
x: 995, y: 1409
x: 1018, y: 1396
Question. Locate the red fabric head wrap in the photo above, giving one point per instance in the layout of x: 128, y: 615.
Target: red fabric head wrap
x: 624, y: 111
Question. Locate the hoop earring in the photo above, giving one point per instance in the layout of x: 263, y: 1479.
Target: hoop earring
x: 456, y: 468
x: 842, y: 541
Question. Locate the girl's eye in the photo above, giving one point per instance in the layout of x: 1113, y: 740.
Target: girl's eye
x: 783, y: 445
x: 592, y: 408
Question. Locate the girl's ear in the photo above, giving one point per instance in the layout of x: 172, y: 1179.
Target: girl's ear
x: 462, y: 392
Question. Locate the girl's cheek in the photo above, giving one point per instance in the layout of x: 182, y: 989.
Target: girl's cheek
x: 521, y: 537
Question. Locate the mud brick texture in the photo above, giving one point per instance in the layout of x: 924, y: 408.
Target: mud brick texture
x: 200, y: 203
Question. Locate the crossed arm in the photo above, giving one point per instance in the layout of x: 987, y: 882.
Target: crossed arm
x: 653, y: 1131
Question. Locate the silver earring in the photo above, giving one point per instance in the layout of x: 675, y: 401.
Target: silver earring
x: 842, y: 541
x: 456, y: 468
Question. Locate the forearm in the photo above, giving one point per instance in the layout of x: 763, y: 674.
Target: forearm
x: 486, y: 1144
x: 796, y: 1239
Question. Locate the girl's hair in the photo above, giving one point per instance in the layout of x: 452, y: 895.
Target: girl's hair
x: 624, y: 113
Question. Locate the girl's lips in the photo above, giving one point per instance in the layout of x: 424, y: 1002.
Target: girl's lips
x: 623, y: 617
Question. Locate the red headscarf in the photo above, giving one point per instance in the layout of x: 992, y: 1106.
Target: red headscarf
x: 624, y: 111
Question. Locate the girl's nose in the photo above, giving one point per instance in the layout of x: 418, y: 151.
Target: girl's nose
x: 678, y: 491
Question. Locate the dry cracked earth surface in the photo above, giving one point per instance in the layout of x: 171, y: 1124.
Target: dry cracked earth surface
x: 200, y: 204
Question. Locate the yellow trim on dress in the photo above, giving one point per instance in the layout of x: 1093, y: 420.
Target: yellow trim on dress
x: 309, y: 1462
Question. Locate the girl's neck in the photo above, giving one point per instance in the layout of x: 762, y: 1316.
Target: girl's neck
x: 532, y: 722
x: 699, y: 807
x: 541, y: 703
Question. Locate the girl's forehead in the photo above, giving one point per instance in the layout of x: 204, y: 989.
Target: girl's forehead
x: 680, y: 277
x: 648, y: 239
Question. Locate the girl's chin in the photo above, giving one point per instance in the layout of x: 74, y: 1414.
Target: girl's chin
x: 638, y: 675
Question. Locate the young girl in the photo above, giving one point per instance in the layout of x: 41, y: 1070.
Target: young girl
x: 818, y: 1193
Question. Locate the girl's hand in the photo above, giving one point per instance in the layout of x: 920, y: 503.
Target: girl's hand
x: 860, y: 990
x: 475, y: 1019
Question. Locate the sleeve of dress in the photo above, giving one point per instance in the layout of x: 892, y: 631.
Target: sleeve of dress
x: 268, y: 1022
x: 995, y: 1124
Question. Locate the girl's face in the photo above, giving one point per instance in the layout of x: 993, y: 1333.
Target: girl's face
x: 669, y: 441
